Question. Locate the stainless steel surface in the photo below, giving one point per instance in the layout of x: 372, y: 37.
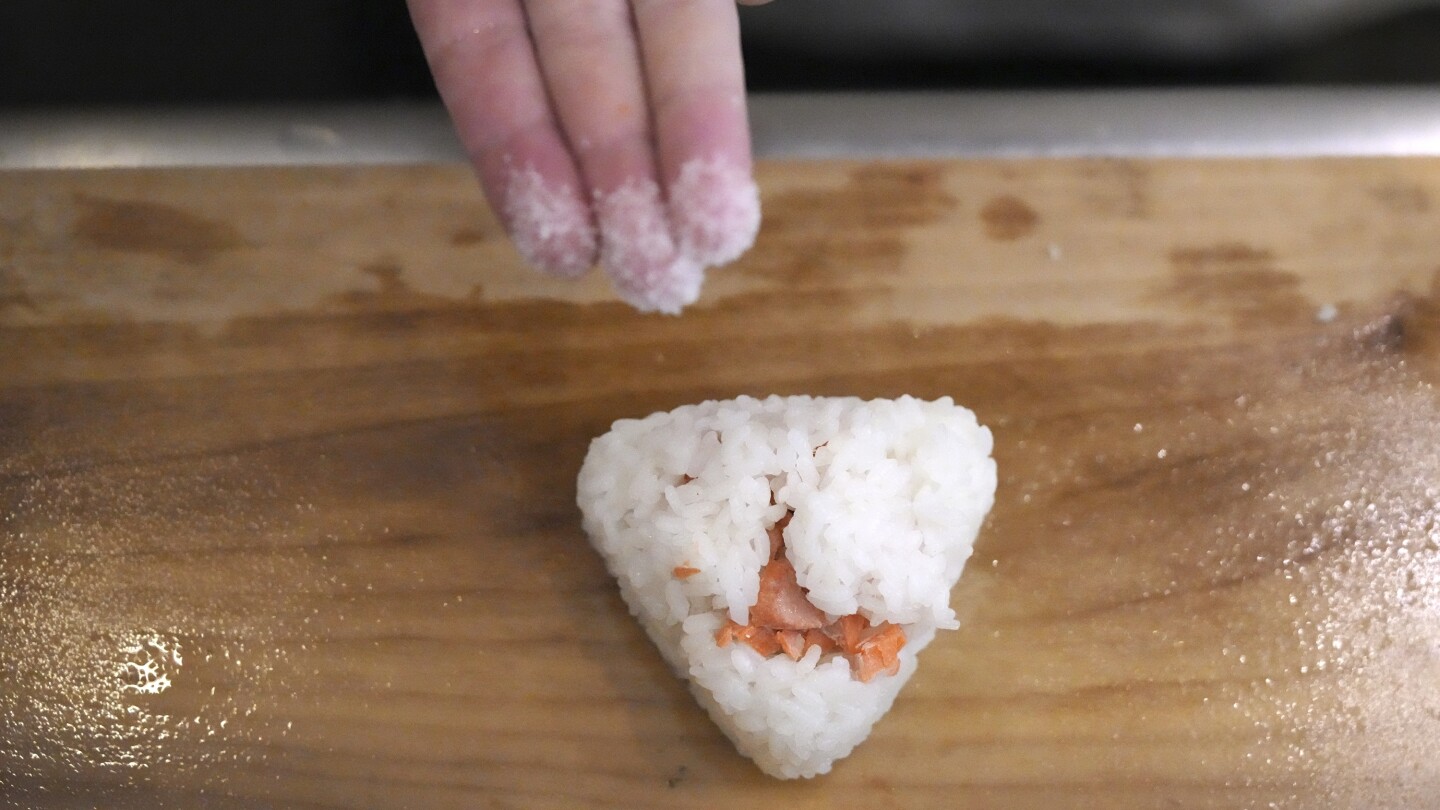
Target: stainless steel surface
x: 1193, y: 123
x: 409, y: 133
x: 1203, y: 123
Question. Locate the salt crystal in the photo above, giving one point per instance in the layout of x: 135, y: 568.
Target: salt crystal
x: 549, y: 224
x: 638, y: 253
x: 715, y: 211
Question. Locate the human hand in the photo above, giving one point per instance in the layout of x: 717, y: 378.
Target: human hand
x: 607, y: 129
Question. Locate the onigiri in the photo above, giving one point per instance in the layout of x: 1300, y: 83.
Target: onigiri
x: 790, y: 557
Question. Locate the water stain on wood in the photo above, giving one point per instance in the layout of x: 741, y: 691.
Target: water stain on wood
x: 140, y: 226
x: 465, y: 237
x: 1118, y: 186
x: 14, y: 296
x: 1007, y: 218
x: 1402, y: 198
x: 387, y: 274
x: 1233, y: 277
x: 856, y: 230
x: 393, y: 294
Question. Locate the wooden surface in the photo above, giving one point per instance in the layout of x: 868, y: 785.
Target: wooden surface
x: 303, y: 443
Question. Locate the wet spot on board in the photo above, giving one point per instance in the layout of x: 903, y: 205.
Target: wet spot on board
x: 879, y: 783
x: 387, y: 273
x: 1117, y: 186
x: 1386, y: 332
x: 1007, y: 218
x: 14, y: 296
x: 15, y: 591
x: 408, y: 539
x: 139, y: 226
x: 465, y: 237
x: 858, y: 229
x: 108, y: 661
x: 899, y: 195
x: 1237, y: 278
x: 389, y: 291
x: 1402, y: 198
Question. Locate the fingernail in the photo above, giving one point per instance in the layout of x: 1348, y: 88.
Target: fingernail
x: 639, y: 254
x: 715, y: 210
x: 549, y: 224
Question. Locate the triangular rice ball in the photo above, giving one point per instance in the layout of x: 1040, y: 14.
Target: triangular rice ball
x: 791, y: 556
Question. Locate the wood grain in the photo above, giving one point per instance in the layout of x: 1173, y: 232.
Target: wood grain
x: 287, y: 462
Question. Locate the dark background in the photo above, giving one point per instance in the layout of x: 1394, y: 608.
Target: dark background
x: 166, y: 52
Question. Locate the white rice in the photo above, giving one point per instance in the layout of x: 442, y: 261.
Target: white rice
x: 887, y: 495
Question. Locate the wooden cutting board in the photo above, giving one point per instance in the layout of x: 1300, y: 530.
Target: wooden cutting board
x: 287, y: 464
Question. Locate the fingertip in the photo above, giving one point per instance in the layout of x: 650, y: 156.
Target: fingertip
x: 714, y: 207
x: 549, y: 224
x: 639, y: 253
x: 669, y: 289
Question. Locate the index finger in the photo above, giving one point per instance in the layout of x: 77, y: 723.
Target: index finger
x: 696, y: 85
x: 485, y: 69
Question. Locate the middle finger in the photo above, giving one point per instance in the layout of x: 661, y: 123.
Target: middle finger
x: 591, y: 62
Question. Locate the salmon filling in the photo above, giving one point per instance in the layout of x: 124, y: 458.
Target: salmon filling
x: 782, y: 621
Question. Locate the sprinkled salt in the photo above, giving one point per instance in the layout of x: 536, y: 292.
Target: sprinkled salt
x: 638, y: 253
x: 549, y: 224
x: 1326, y: 313
x: 715, y: 211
